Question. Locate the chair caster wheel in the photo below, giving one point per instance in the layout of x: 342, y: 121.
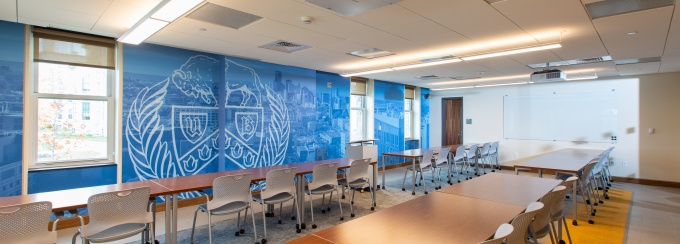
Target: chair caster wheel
x: 402, y: 189
x: 574, y: 222
x: 568, y: 197
x: 352, y: 215
x: 280, y: 222
x: 425, y: 192
x: 267, y: 214
x: 594, y: 210
x: 591, y: 222
x: 304, y: 226
x: 592, y: 214
x: 602, y: 202
x: 237, y: 234
x: 298, y: 230
x: 450, y: 184
x: 342, y: 218
x: 458, y: 181
x: 563, y: 242
x: 313, y: 226
x: 606, y: 197
x: 291, y: 218
x: 328, y: 209
x: 599, y: 188
x: 352, y: 202
x: 372, y: 208
x: 263, y: 241
x: 493, y: 170
x: 375, y: 204
x: 323, y: 211
x: 413, y: 193
x: 587, y: 201
x: 595, y: 204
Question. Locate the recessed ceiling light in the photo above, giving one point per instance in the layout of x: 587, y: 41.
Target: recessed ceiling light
x: 632, y: 33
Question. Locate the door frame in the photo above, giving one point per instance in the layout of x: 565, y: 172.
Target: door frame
x: 462, y: 122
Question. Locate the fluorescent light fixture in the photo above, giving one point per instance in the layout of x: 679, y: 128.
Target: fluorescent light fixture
x: 516, y: 51
x: 174, y: 9
x: 453, y: 88
x: 503, y: 84
x: 163, y: 14
x: 589, y: 77
x: 139, y: 33
x: 411, y: 66
x: 367, y: 72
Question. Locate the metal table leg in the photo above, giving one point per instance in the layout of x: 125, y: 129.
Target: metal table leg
x: 573, y: 196
x: 174, y: 218
x: 168, y: 219
x: 413, y: 176
x: 301, y: 200
x: 383, y: 172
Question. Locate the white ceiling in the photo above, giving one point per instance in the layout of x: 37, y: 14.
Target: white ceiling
x: 412, y: 29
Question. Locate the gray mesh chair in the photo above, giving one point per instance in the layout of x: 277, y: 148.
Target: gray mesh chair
x: 118, y: 215
x: 459, y: 160
x: 521, y: 224
x: 557, y: 211
x: 27, y: 223
x: 424, y: 166
x: 493, y: 154
x: 231, y: 194
x: 359, y: 176
x: 280, y: 188
x: 442, y: 162
x: 324, y: 181
x: 501, y: 234
x: 471, y: 159
x: 541, y: 226
x: 484, y: 157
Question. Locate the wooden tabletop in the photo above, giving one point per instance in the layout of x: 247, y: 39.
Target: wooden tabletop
x: 565, y: 160
x: 77, y: 198
x: 416, y: 153
x: 310, y: 239
x: 506, y: 188
x: 433, y: 218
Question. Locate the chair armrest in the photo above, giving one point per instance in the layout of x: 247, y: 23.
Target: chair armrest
x: 82, y: 222
x: 54, y: 225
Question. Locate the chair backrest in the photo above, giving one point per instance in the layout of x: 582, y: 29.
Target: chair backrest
x: 427, y: 158
x: 543, y: 217
x: 494, y: 148
x: 502, y: 232
x: 486, y: 148
x: 521, y: 224
x: 279, y: 181
x: 26, y: 223
x: 559, y: 202
x: 459, y: 157
x: 230, y: 188
x: 472, y: 152
x: 324, y: 174
x: 587, y: 171
x: 442, y: 156
x: 115, y: 208
x: 359, y: 170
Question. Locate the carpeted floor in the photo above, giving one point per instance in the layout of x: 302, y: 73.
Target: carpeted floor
x: 610, y: 219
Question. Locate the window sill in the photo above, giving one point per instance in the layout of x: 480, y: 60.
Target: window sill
x: 411, y: 139
x: 71, y: 165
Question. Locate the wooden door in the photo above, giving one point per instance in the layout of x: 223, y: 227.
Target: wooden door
x: 452, y: 116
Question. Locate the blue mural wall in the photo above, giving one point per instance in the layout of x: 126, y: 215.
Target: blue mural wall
x: 187, y: 112
x: 389, y: 118
x: 11, y: 106
x: 424, y: 118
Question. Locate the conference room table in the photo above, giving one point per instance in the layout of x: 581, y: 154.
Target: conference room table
x: 468, y: 212
x: 568, y: 160
x: 169, y: 188
x: 413, y: 155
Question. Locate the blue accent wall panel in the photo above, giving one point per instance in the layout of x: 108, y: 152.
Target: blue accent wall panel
x: 424, y: 118
x: 11, y: 107
x: 187, y: 112
x: 389, y: 118
x: 62, y: 179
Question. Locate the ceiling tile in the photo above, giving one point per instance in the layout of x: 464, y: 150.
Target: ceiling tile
x: 263, y: 8
x: 119, y: 17
x: 670, y: 62
x: 219, y: 32
x: 278, y: 30
x: 638, y: 69
x: 8, y: 10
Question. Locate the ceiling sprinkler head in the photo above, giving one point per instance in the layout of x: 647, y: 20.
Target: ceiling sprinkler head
x: 306, y: 19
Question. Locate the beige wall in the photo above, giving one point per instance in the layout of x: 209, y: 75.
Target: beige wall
x: 660, y: 109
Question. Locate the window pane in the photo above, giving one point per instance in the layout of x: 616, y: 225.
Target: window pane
x: 407, y: 124
x: 356, y: 101
x: 72, y: 80
x: 71, y: 137
x: 356, y: 118
x: 408, y: 104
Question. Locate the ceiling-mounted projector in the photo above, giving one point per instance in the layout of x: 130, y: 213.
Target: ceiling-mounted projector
x: 548, y: 75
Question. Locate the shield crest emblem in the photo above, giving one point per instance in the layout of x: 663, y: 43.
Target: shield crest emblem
x: 244, y: 126
x: 193, y: 132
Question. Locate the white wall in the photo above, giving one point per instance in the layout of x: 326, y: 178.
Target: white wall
x: 485, y: 107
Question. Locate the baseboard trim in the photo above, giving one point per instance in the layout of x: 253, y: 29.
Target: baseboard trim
x: 646, y: 182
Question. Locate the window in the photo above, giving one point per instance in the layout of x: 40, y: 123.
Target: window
x: 409, y: 94
x: 73, y: 74
x: 357, y: 105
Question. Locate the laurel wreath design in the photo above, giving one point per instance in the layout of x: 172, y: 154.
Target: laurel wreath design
x: 151, y: 156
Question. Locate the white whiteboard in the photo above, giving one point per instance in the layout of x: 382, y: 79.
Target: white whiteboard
x: 578, y: 117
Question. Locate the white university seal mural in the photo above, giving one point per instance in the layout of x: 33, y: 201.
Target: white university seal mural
x: 256, y: 122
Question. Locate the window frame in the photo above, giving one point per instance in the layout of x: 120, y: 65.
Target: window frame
x: 410, y: 118
x: 361, y: 109
x: 35, y: 96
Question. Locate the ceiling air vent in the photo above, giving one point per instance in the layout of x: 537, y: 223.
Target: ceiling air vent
x: 285, y: 46
x: 637, y: 60
x: 571, y: 62
x: 220, y: 15
x: 371, y: 53
x: 430, y: 77
x: 608, y: 8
